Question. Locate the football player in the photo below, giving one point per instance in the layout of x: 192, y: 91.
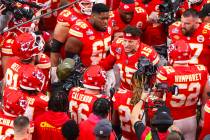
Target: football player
x: 24, y: 47
x: 127, y: 14
x: 65, y: 20
x: 14, y: 105
x: 91, y: 38
x: 126, y: 52
x: 154, y: 34
x: 194, y: 4
x: 32, y: 83
x: 192, y: 86
x: 81, y: 99
x: 195, y: 33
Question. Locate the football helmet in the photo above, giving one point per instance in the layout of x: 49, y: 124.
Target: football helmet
x: 28, y: 45
x: 194, y: 1
x: 85, y: 6
x: 94, y: 77
x: 15, y: 104
x: 179, y: 52
x: 33, y: 79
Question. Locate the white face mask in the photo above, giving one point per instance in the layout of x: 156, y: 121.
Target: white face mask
x: 84, y: 9
x: 194, y: 1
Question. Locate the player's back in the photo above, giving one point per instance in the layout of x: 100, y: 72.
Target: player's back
x: 6, y: 124
x: 121, y: 103
x: 81, y: 103
x: 37, y: 104
x: 190, y: 81
x: 14, y: 68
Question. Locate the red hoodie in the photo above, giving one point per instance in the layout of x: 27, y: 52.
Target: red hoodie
x: 87, y: 128
x: 48, y: 126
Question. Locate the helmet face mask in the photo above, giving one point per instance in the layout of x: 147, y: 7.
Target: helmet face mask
x: 194, y: 1
x: 85, y: 6
x: 28, y: 45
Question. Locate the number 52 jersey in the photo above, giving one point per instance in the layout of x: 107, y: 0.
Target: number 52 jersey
x: 190, y: 80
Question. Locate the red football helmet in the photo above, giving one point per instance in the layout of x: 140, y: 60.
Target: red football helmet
x: 94, y: 77
x: 179, y: 52
x: 15, y: 104
x: 85, y: 6
x: 28, y: 45
x: 32, y: 79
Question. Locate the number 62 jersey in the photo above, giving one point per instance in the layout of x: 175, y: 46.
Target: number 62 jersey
x: 190, y: 80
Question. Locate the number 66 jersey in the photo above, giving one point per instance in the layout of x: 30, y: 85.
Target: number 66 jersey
x: 191, y: 81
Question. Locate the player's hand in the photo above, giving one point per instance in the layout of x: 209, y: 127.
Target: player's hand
x: 144, y: 95
x: 2, y: 8
x: 53, y: 73
x: 153, y: 17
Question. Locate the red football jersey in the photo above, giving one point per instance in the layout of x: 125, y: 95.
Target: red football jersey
x: 48, y: 22
x: 8, y: 40
x: 37, y: 104
x: 190, y: 80
x: 139, y: 20
x: 121, y: 103
x: 44, y: 64
x: 14, y: 68
x: 47, y: 126
x: 206, y: 126
x: 1, y: 69
x: 69, y: 16
x: 81, y: 103
x: 198, y: 7
x: 128, y: 64
x: 199, y: 42
x: 113, y: 4
x: 95, y: 43
x: 154, y: 33
x: 6, y: 124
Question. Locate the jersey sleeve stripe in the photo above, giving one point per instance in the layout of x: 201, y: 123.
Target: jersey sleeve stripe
x: 161, y: 77
x: 75, y: 33
x: 207, y: 108
x: 6, y: 51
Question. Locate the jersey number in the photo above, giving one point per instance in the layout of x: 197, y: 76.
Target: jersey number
x: 100, y: 49
x: 183, y: 100
x: 125, y: 117
x: 77, y: 111
x: 198, y: 49
x: 11, y: 79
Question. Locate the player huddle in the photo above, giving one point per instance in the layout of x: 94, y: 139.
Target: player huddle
x: 106, y: 70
